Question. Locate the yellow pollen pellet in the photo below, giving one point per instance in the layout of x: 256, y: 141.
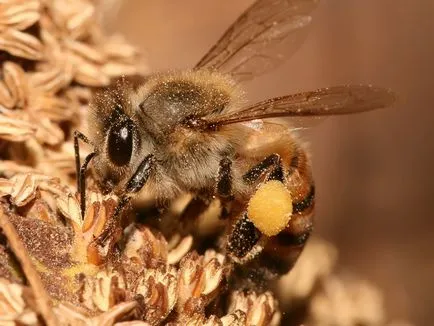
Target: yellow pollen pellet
x: 270, y: 208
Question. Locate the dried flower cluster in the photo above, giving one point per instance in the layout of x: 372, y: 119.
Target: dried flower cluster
x: 52, y: 53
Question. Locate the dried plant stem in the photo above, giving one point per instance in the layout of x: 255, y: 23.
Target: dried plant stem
x: 41, y: 296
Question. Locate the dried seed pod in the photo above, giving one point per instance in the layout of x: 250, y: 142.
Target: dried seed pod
x: 10, y: 168
x: 19, y: 14
x: 60, y: 161
x: 179, y: 250
x: 72, y: 315
x: 22, y: 188
x: 145, y: 248
x: 133, y: 323
x: 49, y: 133
x: 259, y: 309
x: 103, y: 291
x: 98, y: 213
x: 13, y: 307
x: 53, y: 77
x: 74, y: 18
x: 199, y: 280
x: 236, y: 318
x: 158, y: 288
x: 16, y: 130
x: 43, y: 99
x: 13, y: 88
x: 200, y: 319
x: 347, y: 302
x: 21, y: 44
x: 316, y: 263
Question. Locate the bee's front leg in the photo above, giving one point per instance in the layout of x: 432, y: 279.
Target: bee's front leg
x: 112, y: 231
x: 80, y: 169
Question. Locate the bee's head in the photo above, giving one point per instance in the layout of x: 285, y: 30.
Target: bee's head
x: 120, y: 141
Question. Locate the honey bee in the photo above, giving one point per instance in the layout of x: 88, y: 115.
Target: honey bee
x: 190, y: 132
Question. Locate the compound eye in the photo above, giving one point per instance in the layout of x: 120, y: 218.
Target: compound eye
x: 120, y: 143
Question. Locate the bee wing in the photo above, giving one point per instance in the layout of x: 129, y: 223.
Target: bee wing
x: 322, y: 102
x: 265, y: 35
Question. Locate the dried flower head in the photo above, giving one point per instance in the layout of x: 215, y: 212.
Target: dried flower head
x: 53, y: 268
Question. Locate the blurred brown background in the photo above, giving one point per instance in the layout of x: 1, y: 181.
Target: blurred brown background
x: 374, y: 171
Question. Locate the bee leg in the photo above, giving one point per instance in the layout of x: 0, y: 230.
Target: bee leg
x: 271, y: 166
x: 110, y: 235
x: 224, y: 187
x: 139, y: 178
x: 135, y: 184
x: 224, y: 180
x: 81, y: 169
x: 244, y: 240
x: 200, y: 202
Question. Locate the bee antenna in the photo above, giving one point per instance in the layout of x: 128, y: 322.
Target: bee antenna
x: 81, y: 169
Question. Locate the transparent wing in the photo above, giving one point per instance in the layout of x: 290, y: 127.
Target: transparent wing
x: 265, y: 35
x: 322, y: 102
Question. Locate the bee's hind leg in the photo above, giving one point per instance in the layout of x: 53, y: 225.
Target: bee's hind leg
x: 245, y: 240
x: 271, y: 167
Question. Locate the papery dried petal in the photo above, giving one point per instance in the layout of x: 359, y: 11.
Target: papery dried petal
x: 90, y: 74
x: 21, y: 44
x: 70, y: 208
x: 146, y: 248
x: 236, y: 318
x: 50, y: 107
x: 259, y: 309
x: 52, y: 78
x: 85, y: 51
x: 19, y: 14
x: 343, y: 301
x: 198, y: 279
x: 72, y: 315
x: 158, y: 287
x: 9, y: 168
x: 49, y: 133
x: 12, y: 306
x: 21, y: 188
x: 177, y: 253
x: 102, y: 290
x: 15, y: 130
x: 15, y: 83
x: 213, y: 274
x: 317, y: 261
